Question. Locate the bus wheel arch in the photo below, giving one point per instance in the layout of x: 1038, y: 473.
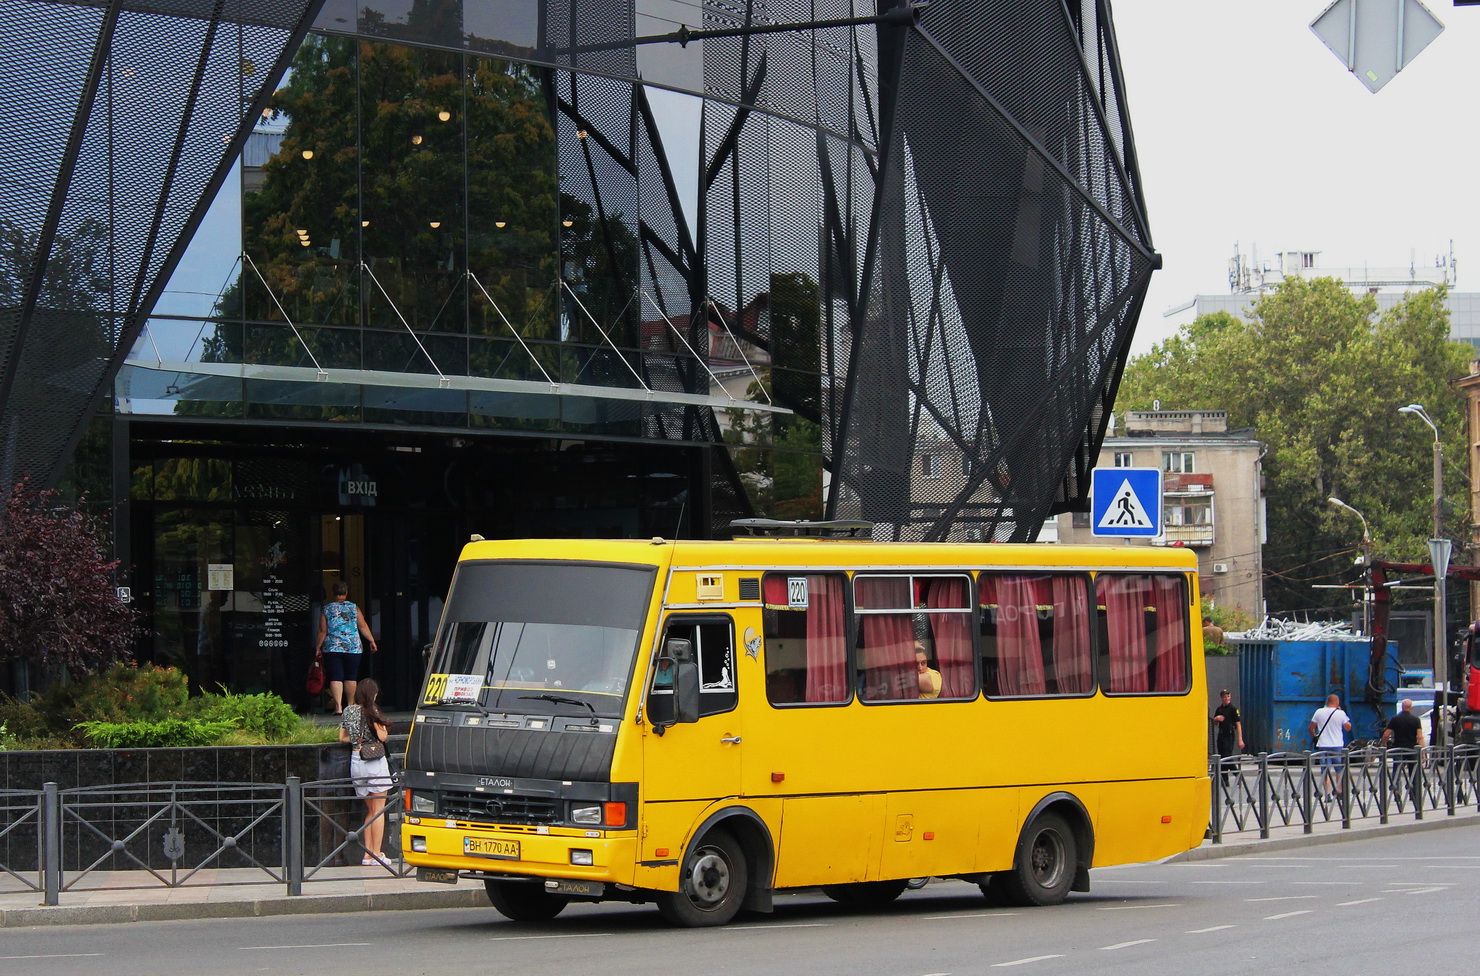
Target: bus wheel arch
x: 756, y: 845
x: 1069, y: 806
x: 1052, y: 855
x: 712, y: 878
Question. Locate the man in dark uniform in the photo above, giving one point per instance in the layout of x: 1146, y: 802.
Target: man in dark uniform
x: 1229, y: 738
x: 1404, y: 732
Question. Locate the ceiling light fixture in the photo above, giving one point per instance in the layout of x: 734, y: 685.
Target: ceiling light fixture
x: 444, y: 115
x: 308, y: 154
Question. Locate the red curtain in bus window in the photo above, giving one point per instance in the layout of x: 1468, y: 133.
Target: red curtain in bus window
x: 1170, y: 666
x: 1018, y: 648
x: 1125, y: 599
x: 887, y: 651
x: 827, y: 645
x: 951, y: 633
x: 1073, y: 663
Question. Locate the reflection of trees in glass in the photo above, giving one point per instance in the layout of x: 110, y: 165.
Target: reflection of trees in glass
x: 796, y: 337
x: 599, y: 261
x: 381, y: 142
x: 778, y: 458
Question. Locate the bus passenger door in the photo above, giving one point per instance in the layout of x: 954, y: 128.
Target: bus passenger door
x: 697, y: 761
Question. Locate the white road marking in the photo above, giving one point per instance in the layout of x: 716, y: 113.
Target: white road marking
x: 310, y: 945
x: 1215, y: 928
x: 1124, y: 945
x: 1330, y: 882
x: 1019, y: 962
x: 1275, y: 918
x: 1285, y: 898
x: 934, y: 918
x: 533, y: 938
x: 57, y: 955
x: 1424, y: 891
x: 1359, y: 901
x: 1227, y: 882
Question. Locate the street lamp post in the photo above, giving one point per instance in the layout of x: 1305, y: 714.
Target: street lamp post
x: 1365, y: 559
x: 1439, y: 550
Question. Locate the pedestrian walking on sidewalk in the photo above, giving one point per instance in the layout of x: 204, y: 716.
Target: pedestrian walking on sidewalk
x: 1328, y: 728
x: 1229, y: 736
x: 365, y: 728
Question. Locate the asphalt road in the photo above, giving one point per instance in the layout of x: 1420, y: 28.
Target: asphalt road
x: 1391, y: 904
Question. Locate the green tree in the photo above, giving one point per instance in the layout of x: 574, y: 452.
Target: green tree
x: 1319, y: 375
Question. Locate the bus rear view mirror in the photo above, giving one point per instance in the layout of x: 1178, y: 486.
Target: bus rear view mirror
x: 685, y: 679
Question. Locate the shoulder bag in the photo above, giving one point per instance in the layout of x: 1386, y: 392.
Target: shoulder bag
x: 371, y: 748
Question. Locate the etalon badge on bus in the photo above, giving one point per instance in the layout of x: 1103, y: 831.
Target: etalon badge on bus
x: 752, y: 643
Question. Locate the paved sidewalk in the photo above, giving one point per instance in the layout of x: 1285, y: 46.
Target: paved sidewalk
x: 136, y: 896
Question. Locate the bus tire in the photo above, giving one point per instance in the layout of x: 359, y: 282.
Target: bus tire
x: 1043, y: 867
x: 711, y: 883
x: 866, y: 894
x: 994, y: 890
x: 524, y: 901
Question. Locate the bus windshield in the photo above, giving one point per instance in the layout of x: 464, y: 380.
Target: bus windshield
x: 540, y: 637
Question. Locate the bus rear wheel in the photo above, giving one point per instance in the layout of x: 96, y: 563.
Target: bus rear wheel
x: 711, y: 884
x: 524, y: 901
x: 1043, y: 868
x: 866, y: 894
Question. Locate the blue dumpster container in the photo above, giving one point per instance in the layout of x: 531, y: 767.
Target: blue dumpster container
x: 1284, y: 682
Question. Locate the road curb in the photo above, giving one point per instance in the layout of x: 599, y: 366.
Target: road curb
x: 460, y: 897
x: 1239, y: 848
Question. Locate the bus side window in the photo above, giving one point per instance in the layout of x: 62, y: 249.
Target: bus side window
x: 1145, y: 644
x: 805, y: 629
x: 714, y: 649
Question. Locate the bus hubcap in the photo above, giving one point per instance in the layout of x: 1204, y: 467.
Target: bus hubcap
x: 709, y: 878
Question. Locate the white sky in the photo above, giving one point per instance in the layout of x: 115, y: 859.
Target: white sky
x: 1250, y: 132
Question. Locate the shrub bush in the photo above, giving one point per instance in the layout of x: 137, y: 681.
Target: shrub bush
x: 167, y: 733
x: 262, y: 716
x: 134, y: 705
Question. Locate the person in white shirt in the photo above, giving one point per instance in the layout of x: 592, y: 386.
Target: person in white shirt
x: 1328, y: 727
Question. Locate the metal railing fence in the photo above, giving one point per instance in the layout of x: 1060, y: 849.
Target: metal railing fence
x: 1303, y: 789
x: 56, y: 840
x: 186, y: 834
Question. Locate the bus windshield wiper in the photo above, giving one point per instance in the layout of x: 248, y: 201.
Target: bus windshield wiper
x: 559, y: 700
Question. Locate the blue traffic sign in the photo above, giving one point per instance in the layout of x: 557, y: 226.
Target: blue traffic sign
x: 1125, y: 502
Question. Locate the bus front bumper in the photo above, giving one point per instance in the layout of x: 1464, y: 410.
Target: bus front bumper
x: 553, y: 852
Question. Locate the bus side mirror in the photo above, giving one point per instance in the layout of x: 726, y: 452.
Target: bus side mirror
x: 685, y: 679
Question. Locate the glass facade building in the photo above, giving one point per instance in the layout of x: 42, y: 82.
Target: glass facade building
x: 325, y: 287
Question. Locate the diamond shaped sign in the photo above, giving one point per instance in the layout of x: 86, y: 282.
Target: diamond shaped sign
x: 1376, y: 39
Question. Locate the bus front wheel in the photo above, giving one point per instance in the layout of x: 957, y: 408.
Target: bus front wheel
x: 1043, y: 868
x: 866, y: 894
x: 711, y: 884
x: 524, y: 901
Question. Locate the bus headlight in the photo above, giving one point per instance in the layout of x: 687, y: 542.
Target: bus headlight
x: 586, y: 814
x: 581, y: 857
x: 421, y: 803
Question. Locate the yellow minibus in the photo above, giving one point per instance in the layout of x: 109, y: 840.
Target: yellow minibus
x: 702, y: 724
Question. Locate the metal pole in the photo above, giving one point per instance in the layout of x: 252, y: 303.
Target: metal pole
x: 1441, y: 617
x: 293, y: 835
x: 51, y: 843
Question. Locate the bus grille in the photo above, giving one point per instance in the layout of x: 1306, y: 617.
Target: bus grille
x: 500, y: 808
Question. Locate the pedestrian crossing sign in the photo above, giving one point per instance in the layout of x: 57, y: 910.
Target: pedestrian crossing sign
x: 1125, y: 502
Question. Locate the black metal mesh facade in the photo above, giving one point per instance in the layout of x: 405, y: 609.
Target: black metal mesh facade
x: 131, y: 114
x: 930, y: 236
